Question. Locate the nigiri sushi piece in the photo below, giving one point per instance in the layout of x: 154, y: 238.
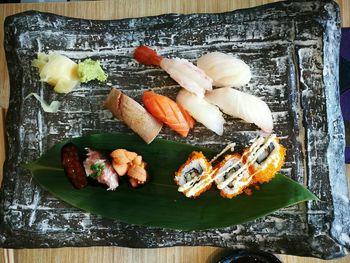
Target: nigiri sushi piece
x: 73, y: 168
x: 133, y: 115
x: 195, y: 176
x: 265, y: 158
x: 242, y: 105
x: 232, y: 176
x: 97, y: 167
x: 167, y: 111
x: 131, y: 164
x: 190, y: 121
x: 182, y: 71
x: 202, y: 111
x: 225, y: 69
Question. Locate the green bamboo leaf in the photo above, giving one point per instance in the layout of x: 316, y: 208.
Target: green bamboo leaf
x: 158, y: 203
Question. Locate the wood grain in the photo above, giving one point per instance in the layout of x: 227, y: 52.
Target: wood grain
x: 115, y: 10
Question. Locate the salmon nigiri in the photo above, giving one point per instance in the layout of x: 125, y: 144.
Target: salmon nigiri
x: 182, y: 71
x: 167, y: 111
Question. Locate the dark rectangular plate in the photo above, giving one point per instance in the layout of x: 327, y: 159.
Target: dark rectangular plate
x: 292, y: 49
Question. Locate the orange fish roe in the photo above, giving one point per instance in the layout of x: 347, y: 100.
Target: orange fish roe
x: 227, y: 191
x: 230, y: 196
x: 265, y: 175
x: 194, y: 155
x: 204, y: 176
x: 248, y: 191
x: 202, y: 190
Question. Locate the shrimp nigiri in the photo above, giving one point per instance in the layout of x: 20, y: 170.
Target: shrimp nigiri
x: 182, y: 71
x: 241, y: 105
x: 167, y: 111
x: 202, y: 111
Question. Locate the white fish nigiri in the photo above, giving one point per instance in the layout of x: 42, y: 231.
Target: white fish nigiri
x: 242, y: 105
x: 224, y: 69
x: 182, y: 71
x: 207, y: 114
x: 187, y: 75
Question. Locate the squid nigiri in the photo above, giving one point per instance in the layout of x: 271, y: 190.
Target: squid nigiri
x: 224, y: 69
x: 167, y: 111
x: 182, y: 71
x: 241, y: 105
x: 202, y: 111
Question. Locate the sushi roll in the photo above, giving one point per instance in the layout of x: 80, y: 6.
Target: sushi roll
x: 265, y: 157
x: 195, y: 176
x: 232, y: 176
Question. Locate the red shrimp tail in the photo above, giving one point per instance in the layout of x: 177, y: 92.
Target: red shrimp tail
x: 147, y: 56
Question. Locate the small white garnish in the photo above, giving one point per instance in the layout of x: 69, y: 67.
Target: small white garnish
x: 52, y: 108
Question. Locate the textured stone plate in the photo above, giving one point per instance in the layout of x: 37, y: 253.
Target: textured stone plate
x: 292, y: 49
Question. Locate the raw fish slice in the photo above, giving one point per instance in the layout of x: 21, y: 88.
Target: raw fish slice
x: 167, y: 111
x: 224, y: 69
x: 187, y: 75
x: 182, y: 71
x: 190, y: 121
x: 243, y: 106
x: 105, y: 174
x: 202, y: 111
x: 133, y: 115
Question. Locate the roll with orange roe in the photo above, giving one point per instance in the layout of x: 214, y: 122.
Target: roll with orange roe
x: 194, y: 177
x: 266, y: 157
x: 232, y: 175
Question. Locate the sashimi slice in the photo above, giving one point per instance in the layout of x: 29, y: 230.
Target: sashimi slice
x: 106, y: 175
x: 133, y: 115
x: 187, y: 75
x: 167, y: 111
x: 242, y: 105
x: 225, y: 69
x: 204, y: 112
x: 190, y: 121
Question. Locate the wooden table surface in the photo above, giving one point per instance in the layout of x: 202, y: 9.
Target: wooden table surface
x: 115, y: 10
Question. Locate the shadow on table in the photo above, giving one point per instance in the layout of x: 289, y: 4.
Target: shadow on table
x: 231, y: 255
